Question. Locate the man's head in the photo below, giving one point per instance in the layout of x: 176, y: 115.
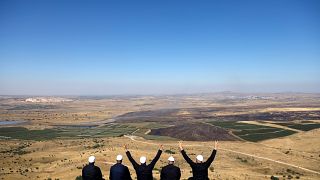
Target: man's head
x: 199, y: 159
x: 143, y: 159
x: 119, y: 158
x: 171, y: 160
x: 91, y: 159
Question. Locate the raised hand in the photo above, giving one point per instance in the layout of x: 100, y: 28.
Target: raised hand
x: 161, y: 147
x: 215, y: 145
x: 125, y: 147
x: 180, y: 145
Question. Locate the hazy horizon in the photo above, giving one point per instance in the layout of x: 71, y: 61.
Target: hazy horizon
x: 137, y: 48
x: 160, y: 94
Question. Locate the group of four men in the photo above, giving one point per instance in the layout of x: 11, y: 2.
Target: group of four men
x: 144, y: 172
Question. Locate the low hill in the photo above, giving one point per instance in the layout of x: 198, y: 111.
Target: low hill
x: 194, y: 132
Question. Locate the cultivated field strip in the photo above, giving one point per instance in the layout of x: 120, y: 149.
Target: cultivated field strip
x: 252, y: 132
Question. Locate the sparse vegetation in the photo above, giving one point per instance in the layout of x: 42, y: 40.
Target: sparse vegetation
x: 168, y: 151
x: 243, y: 160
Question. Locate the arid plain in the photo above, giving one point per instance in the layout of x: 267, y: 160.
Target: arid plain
x: 261, y: 136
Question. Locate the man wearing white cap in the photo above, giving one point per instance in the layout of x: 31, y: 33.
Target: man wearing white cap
x: 119, y: 171
x: 170, y: 171
x: 144, y: 171
x: 90, y: 171
x: 199, y: 168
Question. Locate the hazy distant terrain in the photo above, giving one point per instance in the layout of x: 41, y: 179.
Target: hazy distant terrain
x: 51, y: 137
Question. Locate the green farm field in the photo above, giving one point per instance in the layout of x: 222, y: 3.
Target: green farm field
x: 252, y: 132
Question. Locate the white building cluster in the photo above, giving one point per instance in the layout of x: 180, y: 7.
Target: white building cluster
x: 47, y: 100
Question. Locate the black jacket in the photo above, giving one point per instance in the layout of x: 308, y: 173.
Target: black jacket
x: 91, y: 172
x: 199, y: 170
x: 119, y: 172
x: 170, y: 172
x: 144, y: 171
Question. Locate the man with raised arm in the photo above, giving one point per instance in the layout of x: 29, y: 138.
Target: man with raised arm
x: 199, y: 168
x: 144, y: 171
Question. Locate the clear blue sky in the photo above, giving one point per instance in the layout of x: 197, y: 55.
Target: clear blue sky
x: 61, y: 47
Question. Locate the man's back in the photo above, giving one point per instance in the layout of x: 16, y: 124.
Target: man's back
x: 199, y: 170
x: 91, y: 172
x: 144, y: 172
x: 119, y: 172
x: 170, y: 172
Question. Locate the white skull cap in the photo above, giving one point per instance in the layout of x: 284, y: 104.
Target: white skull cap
x: 143, y: 159
x: 171, y: 159
x: 92, y: 159
x: 200, y: 158
x: 119, y: 157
